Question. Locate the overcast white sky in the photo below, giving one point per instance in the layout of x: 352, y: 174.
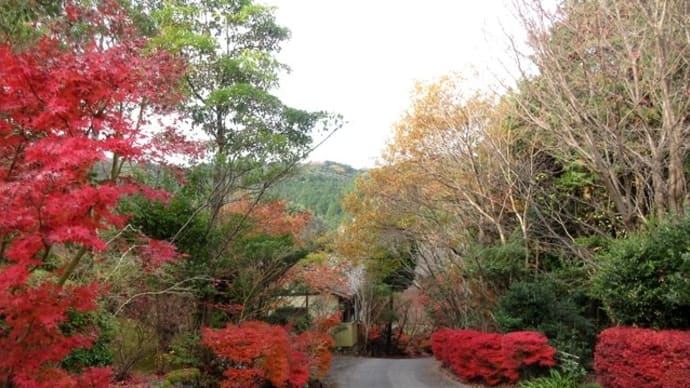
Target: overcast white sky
x: 360, y: 58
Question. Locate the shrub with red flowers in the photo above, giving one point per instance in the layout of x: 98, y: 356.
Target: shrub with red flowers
x: 634, y: 357
x: 491, y: 357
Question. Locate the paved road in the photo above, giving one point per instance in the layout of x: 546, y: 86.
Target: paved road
x: 355, y: 372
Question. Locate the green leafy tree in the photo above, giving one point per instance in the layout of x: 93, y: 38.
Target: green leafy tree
x: 254, y: 139
x: 230, y: 46
x: 18, y: 19
x: 550, y: 307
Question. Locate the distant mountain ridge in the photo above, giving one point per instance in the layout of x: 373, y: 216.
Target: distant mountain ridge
x: 318, y: 187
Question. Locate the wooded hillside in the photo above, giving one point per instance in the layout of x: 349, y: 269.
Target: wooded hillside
x: 319, y: 187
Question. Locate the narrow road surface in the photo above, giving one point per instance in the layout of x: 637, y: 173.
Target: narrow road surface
x: 356, y: 372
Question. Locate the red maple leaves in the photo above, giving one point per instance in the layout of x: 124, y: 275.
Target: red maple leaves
x: 260, y: 352
x: 31, y: 340
x: 66, y: 107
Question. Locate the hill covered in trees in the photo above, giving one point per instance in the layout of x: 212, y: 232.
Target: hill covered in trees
x: 318, y: 187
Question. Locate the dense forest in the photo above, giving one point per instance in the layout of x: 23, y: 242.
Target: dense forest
x: 318, y: 187
x: 159, y: 221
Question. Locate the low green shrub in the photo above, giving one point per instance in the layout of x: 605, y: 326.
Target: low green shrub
x: 187, y: 377
x: 134, y: 345
x: 99, y: 354
x: 643, y: 279
x: 186, y: 351
x: 543, y: 304
x: 567, y: 374
x: 555, y: 379
x: 297, y: 317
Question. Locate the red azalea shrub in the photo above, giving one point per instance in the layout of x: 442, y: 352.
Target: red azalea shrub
x: 523, y: 348
x: 439, y: 345
x: 634, y: 357
x: 491, y: 357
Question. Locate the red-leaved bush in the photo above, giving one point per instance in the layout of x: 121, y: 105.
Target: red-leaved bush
x: 491, y: 357
x: 633, y: 357
x: 259, y: 352
x: 316, y: 344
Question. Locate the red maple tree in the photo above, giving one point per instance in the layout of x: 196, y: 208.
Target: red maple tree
x: 258, y: 352
x: 270, y: 218
x: 67, y: 107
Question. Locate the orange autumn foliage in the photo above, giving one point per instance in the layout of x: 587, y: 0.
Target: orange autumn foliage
x: 260, y: 352
x: 321, y: 272
x: 272, y: 218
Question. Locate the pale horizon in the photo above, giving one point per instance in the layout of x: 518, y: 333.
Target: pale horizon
x: 361, y: 59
